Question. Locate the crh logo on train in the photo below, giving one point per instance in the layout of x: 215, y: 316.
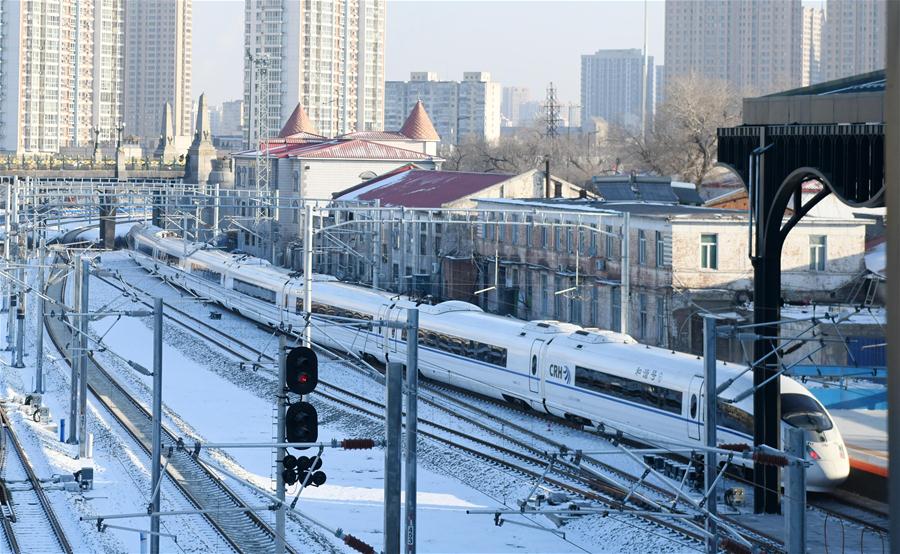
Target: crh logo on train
x: 560, y: 372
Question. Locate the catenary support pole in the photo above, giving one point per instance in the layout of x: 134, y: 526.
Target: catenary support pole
x: 412, y: 408
x: 307, y: 272
x: 280, y: 400
x: 795, y: 493
x: 157, y: 423
x: 83, y: 321
x: 392, y: 421
x: 20, y: 315
x: 39, y: 324
x: 625, y: 271
x: 892, y: 201
x: 711, y: 458
x: 75, y: 358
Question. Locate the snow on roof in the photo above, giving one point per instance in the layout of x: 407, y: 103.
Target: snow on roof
x: 418, y: 188
x: 876, y: 258
x: 352, y: 149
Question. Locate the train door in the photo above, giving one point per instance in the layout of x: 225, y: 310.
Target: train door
x: 534, y: 378
x: 695, y: 407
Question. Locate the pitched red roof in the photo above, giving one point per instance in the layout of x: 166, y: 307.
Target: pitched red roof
x: 375, y: 135
x: 339, y: 149
x: 418, y: 125
x: 298, y: 123
x: 419, y: 188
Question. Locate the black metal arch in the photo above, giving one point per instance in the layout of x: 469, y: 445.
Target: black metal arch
x: 773, y: 162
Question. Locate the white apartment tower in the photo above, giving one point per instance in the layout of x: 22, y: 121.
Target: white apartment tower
x: 158, y: 67
x: 754, y: 45
x: 459, y: 110
x: 811, y: 48
x: 61, y: 67
x: 612, y: 84
x: 327, y: 55
x: 854, y: 37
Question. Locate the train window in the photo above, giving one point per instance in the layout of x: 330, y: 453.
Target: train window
x: 326, y: 309
x: 804, y: 412
x: 466, y: 348
x: 731, y: 417
x: 205, y: 273
x: 298, y: 305
x: 253, y: 290
x: 635, y: 391
x: 145, y: 249
x: 693, y: 406
x: 534, y: 365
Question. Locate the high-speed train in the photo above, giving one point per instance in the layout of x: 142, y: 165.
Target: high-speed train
x: 587, y: 375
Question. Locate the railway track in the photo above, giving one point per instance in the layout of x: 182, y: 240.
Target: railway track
x: 242, y: 532
x: 28, y: 520
x: 606, y: 485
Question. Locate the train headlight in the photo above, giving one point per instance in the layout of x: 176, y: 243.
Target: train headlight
x: 813, y: 455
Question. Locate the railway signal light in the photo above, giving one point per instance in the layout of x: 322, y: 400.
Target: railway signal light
x: 302, y: 370
x: 301, y: 423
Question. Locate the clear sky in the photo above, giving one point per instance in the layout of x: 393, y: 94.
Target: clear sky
x: 519, y: 42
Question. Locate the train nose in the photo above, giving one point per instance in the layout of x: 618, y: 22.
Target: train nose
x: 830, y: 469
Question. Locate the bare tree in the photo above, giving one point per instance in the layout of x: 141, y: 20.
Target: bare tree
x: 574, y: 158
x: 682, y: 142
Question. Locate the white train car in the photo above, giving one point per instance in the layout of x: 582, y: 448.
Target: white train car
x: 588, y: 375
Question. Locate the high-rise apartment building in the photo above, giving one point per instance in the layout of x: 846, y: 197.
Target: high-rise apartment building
x: 327, y: 56
x: 811, y: 47
x: 853, y: 40
x: 612, y: 84
x: 459, y: 110
x: 754, y: 45
x: 511, y: 104
x: 61, y: 66
x: 158, y: 67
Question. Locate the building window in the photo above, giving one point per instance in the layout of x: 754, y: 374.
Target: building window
x: 545, y: 295
x: 817, y: 252
x: 593, y: 232
x: 544, y: 236
x: 595, y: 305
x: 570, y: 246
x: 660, y: 250
x: 615, y: 309
x: 609, y: 241
x: 559, y: 234
x: 642, y: 247
x: 709, y: 251
x: 529, y: 235
x: 642, y: 315
x: 661, y: 321
x: 514, y: 229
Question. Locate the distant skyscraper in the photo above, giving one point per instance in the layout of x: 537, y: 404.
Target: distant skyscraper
x: 659, y: 87
x: 61, y: 64
x: 853, y: 40
x: 513, y: 98
x: 458, y: 109
x: 158, y: 62
x: 327, y: 56
x: 611, y: 86
x: 752, y: 44
x: 231, y: 117
x: 811, y: 47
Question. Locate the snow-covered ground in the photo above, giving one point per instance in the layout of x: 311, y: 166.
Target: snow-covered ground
x: 207, y: 396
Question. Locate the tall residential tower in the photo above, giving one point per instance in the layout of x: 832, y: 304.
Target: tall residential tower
x: 754, y: 45
x: 853, y: 40
x: 158, y: 67
x: 811, y: 48
x: 612, y: 84
x: 326, y: 55
x: 61, y: 66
